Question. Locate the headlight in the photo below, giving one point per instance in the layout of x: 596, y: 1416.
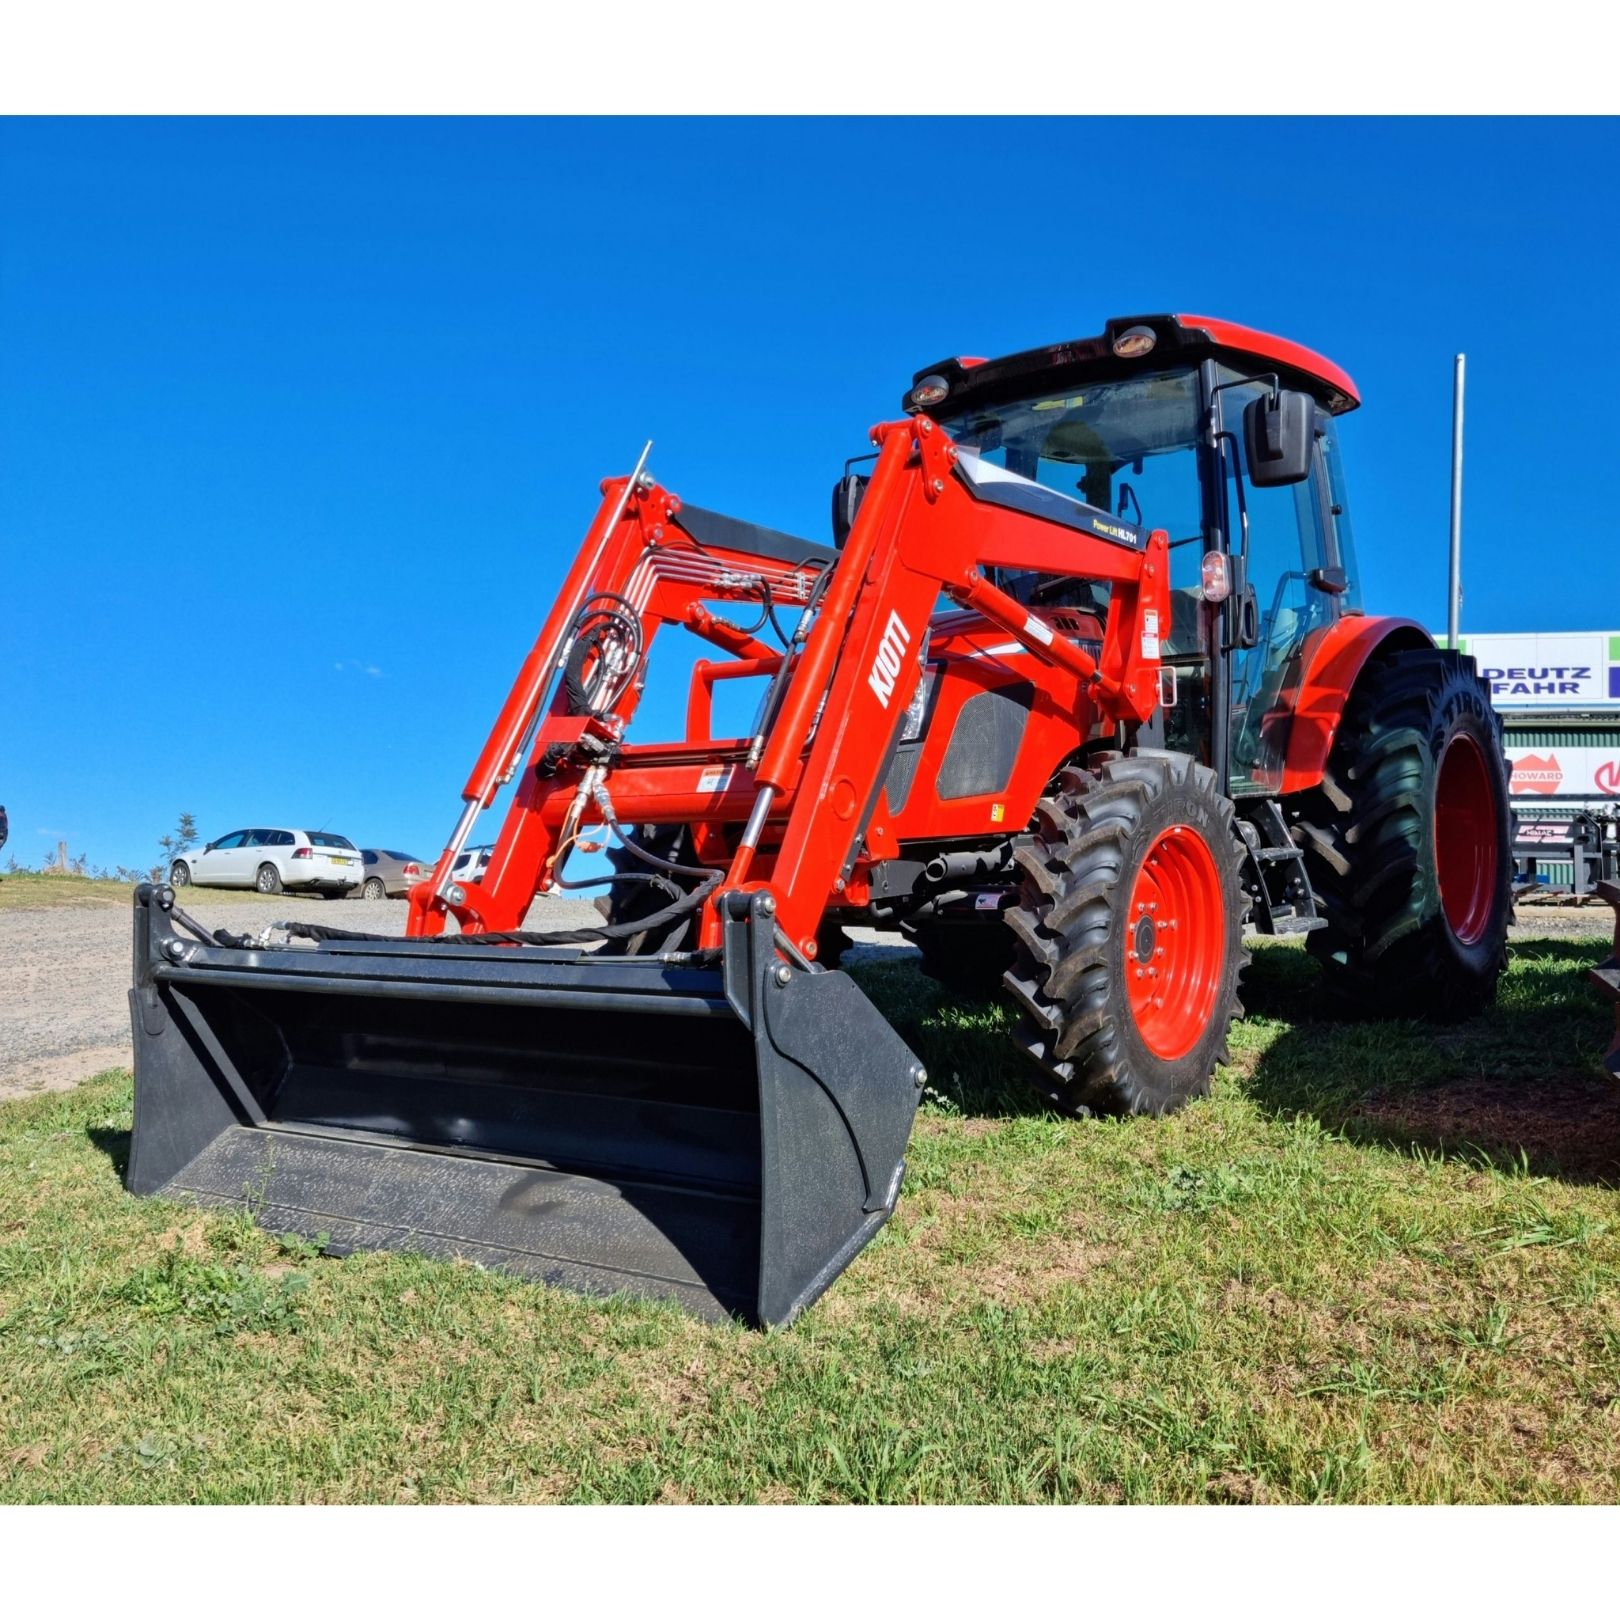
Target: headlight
x: 1134, y: 342
x: 911, y: 728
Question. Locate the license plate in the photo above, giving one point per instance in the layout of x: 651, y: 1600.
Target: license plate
x: 341, y: 860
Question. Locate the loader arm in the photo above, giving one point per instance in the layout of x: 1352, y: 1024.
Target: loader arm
x: 793, y: 806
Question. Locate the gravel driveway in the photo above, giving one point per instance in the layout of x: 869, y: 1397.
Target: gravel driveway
x: 65, y: 972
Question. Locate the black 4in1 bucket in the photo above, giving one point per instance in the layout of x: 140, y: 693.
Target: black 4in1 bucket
x: 725, y: 1129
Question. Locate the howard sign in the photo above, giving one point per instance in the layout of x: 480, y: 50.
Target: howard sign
x: 1591, y: 773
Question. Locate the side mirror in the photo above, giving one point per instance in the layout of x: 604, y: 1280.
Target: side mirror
x: 1277, y: 438
x: 846, y: 502
x: 208, y: 849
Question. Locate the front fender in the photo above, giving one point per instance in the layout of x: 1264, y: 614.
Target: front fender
x: 1332, y: 665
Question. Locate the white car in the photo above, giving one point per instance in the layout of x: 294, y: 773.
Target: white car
x: 471, y: 864
x: 271, y: 859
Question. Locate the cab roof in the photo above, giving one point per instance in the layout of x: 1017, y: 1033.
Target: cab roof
x: 1176, y: 337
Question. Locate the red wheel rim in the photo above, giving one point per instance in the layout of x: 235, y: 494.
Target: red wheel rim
x: 1465, y: 846
x: 1175, y: 942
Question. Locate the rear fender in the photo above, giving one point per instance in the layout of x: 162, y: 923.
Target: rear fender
x: 1332, y: 667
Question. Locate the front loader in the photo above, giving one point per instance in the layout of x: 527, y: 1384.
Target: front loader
x: 1080, y: 690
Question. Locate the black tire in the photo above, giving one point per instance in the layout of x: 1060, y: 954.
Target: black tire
x: 630, y: 897
x: 1415, y: 789
x: 374, y: 889
x: 179, y: 875
x: 267, y: 880
x: 967, y: 957
x: 1089, y: 947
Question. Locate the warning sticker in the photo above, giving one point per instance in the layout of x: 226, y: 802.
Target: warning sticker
x: 715, y: 779
x: 1150, y: 633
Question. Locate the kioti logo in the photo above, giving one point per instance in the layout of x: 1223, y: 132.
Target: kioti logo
x: 1533, y: 774
x: 890, y: 655
x: 1607, y: 777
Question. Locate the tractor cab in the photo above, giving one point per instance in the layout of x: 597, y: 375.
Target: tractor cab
x: 1225, y: 439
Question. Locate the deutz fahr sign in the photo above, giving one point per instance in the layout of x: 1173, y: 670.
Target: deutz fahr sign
x: 1567, y: 670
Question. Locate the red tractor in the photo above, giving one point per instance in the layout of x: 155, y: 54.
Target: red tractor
x: 1081, y: 688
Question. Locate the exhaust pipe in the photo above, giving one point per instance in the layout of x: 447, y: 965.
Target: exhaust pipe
x: 726, y: 1133
x: 969, y: 865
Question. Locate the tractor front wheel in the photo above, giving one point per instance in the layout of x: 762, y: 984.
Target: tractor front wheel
x: 1409, y: 840
x: 1129, y: 935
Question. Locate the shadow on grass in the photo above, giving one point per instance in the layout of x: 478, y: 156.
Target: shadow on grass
x: 115, y: 1144
x: 962, y: 1040
x: 1520, y: 1086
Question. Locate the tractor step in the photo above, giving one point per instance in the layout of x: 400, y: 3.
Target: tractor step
x: 1286, y: 921
x: 1274, y: 877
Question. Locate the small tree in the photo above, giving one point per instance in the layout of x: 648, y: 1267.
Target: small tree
x: 175, y: 844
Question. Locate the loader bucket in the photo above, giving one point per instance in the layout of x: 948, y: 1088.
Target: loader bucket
x: 728, y: 1133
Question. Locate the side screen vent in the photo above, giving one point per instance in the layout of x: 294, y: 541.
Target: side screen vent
x: 984, y: 746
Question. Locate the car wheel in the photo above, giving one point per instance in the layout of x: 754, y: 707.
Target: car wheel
x: 374, y: 889
x: 268, y: 881
x: 179, y: 875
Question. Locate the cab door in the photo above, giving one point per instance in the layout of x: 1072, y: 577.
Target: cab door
x: 1298, y: 586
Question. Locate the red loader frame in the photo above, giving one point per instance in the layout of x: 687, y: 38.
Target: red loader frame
x: 801, y: 809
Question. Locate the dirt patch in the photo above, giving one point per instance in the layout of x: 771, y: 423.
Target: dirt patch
x: 63, y: 1071
x: 190, y: 1239
x: 1568, y: 1125
x: 1239, y: 1488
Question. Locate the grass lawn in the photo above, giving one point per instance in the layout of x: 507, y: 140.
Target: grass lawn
x: 26, y: 889
x: 1379, y: 1264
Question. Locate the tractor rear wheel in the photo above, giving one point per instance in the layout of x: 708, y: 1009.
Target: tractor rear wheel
x: 1129, y: 935
x: 1408, y: 841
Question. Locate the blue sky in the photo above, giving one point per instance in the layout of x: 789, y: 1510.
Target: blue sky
x: 300, y: 422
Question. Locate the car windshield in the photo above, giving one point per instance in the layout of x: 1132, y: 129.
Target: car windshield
x: 397, y: 855
x: 328, y: 840
x: 1129, y: 447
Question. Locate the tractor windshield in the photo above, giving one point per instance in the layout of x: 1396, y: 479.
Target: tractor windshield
x: 1129, y: 447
